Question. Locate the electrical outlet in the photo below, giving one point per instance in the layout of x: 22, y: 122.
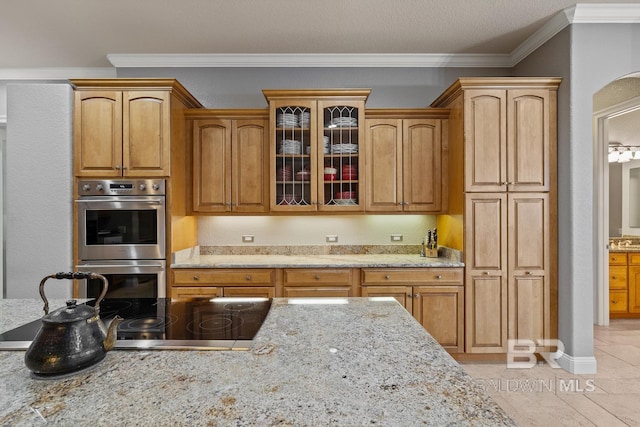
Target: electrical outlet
x: 247, y: 238
x: 396, y: 237
x: 331, y: 238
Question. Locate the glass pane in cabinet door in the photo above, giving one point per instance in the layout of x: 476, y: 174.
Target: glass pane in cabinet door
x: 293, y: 156
x: 340, y: 156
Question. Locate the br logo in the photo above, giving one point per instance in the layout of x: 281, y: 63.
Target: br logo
x: 521, y: 354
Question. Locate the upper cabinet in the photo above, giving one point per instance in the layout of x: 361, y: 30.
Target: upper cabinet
x: 508, y: 127
x: 404, y: 160
x: 316, y: 149
x: 122, y: 128
x: 230, y: 161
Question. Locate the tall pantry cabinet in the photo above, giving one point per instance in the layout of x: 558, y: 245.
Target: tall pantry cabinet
x: 502, y: 183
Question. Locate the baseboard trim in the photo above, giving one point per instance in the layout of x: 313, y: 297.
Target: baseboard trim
x: 578, y: 365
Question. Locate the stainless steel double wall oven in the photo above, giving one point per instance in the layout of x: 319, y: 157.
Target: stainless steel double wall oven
x: 121, y: 235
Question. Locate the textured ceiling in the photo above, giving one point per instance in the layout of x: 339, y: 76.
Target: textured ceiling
x: 80, y: 33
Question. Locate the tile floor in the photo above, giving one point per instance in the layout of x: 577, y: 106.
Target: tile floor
x: 542, y: 396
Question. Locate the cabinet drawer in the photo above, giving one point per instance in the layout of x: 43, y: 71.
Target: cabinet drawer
x: 238, y: 277
x: 633, y: 258
x: 320, y: 276
x: 618, y: 258
x: 618, y: 277
x: 203, y: 292
x: 412, y: 275
x: 618, y: 302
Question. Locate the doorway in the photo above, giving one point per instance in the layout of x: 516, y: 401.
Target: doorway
x: 619, y: 98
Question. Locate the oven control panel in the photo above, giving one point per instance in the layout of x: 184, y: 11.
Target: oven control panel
x: 121, y: 187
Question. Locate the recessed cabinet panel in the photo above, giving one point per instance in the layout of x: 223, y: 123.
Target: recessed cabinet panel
x: 528, y: 165
x: 528, y: 313
x: 439, y: 309
x: 529, y: 232
x: 384, y: 165
x: 212, y: 161
x: 98, y: 133
x: 486, y: 146
x: 146, y: 131
x: 487, y: 314
x: 422, y: 165
x: 486, y: 235
x: 250, y: 166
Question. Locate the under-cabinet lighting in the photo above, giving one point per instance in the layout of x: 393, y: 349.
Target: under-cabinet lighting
x: 317, y: 301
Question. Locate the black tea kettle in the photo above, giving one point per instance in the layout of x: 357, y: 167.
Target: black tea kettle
x: 73, y: 337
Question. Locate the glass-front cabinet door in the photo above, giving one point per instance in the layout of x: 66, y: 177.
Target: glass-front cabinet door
x: 315, y: 149
x: 293, y: 150
x: 339, y: 154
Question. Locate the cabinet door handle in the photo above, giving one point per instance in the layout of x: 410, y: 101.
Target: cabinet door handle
x: 248, y: 277
x: 196, y: 278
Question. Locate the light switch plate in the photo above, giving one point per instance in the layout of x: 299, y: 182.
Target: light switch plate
x: 247, y: 238
x: 331, y: 238
x: 396, y: 237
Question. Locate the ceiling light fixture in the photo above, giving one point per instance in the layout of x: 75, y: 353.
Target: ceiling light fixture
x: 623, y: 153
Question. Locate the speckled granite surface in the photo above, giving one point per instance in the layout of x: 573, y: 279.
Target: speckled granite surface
x: 361, y: 363
x: 308, y: 257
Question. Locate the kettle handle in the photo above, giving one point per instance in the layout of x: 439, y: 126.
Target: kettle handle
x: 75, y: 275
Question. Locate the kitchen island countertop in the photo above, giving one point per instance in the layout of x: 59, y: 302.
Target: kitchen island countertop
x: 342, y: 362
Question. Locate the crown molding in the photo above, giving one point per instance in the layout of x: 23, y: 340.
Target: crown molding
x: 310, y: 60
x: 578, y: 14
x: 56, y: 73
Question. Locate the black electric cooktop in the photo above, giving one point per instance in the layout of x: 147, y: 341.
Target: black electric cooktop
x: 170, y: 324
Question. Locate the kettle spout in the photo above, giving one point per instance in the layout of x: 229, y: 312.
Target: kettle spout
x: 112, y: 333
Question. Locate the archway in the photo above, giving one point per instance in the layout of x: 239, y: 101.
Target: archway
x: 618, y: 98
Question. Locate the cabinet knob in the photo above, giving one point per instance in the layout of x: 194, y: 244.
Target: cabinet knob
x: 409, y: 295
x: 416, y: 295
x: 248, y: 277
x: 317, y: 277
x: 614, y: 277
x: 124, y: 167
x: 486, y: 273
x: 400, y: 203
x: 387, y: 277
x: 439, y: 276
x: 117, y: 167
x: 196, y: 277
x: 528, y: 273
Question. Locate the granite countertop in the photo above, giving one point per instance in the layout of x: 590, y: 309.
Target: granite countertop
x: 361, y: 363
x: 310, y: 261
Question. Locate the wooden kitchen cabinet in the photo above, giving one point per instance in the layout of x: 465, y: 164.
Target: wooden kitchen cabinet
x: 209, y: 283
x: 319, y: 282
x: 121, y: 133
x: 503, y: 187
x: 230, y: 161
x: 316, y: 149
x: 624, y: 284
x: 509, y: 135
x: 434, y: 296
x: 404, y: 160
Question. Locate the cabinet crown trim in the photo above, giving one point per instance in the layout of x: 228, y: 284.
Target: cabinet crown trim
x: 407, y: 113
x: 356, y: 94
x: 494, y: 83
x: 172, y: 85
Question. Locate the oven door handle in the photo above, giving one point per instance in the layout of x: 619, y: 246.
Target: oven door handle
x: 103, y: 200
x: 111, y: 266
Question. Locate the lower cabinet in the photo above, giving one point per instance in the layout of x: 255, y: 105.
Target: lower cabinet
x: 434, y: 296
x: 319, y: 282
x: 209, y: 283
x: 624, y: 284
